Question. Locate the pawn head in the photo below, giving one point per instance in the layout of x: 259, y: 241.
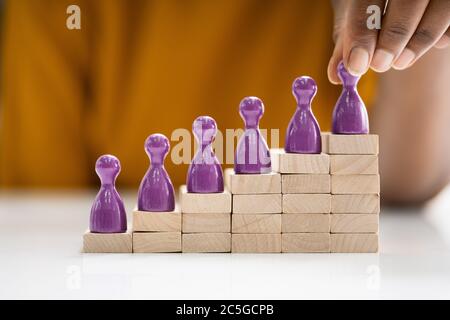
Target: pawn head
x: 157, y: 146
x: 107, y: 168
x: 304, y: 89
x: 346, y: 77
x: 205, y: 129
x: 251, y: 110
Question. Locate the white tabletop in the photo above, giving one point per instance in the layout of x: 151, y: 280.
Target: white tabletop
x: 41, y: 239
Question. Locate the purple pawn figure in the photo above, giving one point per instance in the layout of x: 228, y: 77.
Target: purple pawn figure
x: 350, y: 114
x: 156, y: 192
x: 303, y: 132
x: 252, y: 154
x: 108, y: 212
x: 205, y: 172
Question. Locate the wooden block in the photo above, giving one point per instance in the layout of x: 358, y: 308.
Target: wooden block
x: 354, y: 164
x: 257, y: 203
x: 256, y: 243
x: 306, y: 203
x: 354, y: 223
x: 305, y: 242
x: 107, y: 242
x: 353, y: 144
x: 355, y: 184
x: 354, y: 243
x: 355, y: 203
x: 305, y: 222
x: 206, y: 222
x: 306, y: 183
x: 206, y: 242
x: 152, y: 242
x: 252, y: 183
x: 205, y: 202
x: 256, y: 223
x: 325, y: 142
x: 156, y: 221
x: 302, y: 163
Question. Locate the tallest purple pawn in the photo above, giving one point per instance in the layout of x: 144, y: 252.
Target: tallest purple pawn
x: 350, y: 114
x: 156, y: 192
x: 303, y: 132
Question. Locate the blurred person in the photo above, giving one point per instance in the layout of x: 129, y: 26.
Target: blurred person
x: 140, y: 67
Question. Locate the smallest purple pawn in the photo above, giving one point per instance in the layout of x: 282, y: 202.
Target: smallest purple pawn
x: 205, y: 172
x: 303, y: 132
x: 156, y: 193
x: 350, y: 113
x: 108, y: 212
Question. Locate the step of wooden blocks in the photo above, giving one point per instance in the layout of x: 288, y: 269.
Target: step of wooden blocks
x: 305, y: 242
x: 107, y: 242
x: 355, y: 184
x: 205, y: 202
x: 154, y: 242
x: 206, y: 222
x: 256, y: 223
x: 252, y: 183
x: 257, y: 203
x: 355, y: 203
x: 300, y: 163
x: 353, y: 144
x: 306, y: 203
x: 354, y: 243
x: 157, y: 221
x: 306, y: 183
x: 206, y: 242
x: 354, y: 223
x: 341, y: 164
x: 256, y: 243
x: 305, y: 222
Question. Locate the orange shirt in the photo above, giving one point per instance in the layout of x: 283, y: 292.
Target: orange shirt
x: 140, y: 67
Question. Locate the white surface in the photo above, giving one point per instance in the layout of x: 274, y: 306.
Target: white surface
x: 41, y: 237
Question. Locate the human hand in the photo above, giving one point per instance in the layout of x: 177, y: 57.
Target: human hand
x: 409, y: 29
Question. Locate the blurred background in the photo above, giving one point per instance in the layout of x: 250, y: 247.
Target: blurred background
x: 140, y: 67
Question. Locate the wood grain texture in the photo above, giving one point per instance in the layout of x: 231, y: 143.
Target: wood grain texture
x: 153, y: 242
x: 256, y: 243
x: 353, y: 144
x: 257, y: 203
x: 107, y: 242
x: 305, y: 242
x: 301, y: 163
x: 306, y: 203
x: 252, y: 183
x: 205, y: 202
x: 206, y: 242
x: 354, y: 243
x: 355, y: 203
x: 305, y: 222
x: 354, y: 223
x: 256, y: 223
x: 156, y: 221
x: 206, y: 222
x: 306, y: 183
x: 353, y: 164
x: 355, y: 184
x: 325, y: 142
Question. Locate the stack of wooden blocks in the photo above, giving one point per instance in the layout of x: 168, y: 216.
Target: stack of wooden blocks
x: 355, y: 189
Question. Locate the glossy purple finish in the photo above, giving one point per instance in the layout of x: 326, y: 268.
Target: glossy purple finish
x: 350, y: 114
x: 205, y: 172
x: 156, y: 192
x: 252, y: 153
x: 108, y: 212
x: 303, y: 132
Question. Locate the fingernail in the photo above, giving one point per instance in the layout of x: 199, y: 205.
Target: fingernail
x: 404, y: 60
x: 358, y: 61
x: 382, y: 60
